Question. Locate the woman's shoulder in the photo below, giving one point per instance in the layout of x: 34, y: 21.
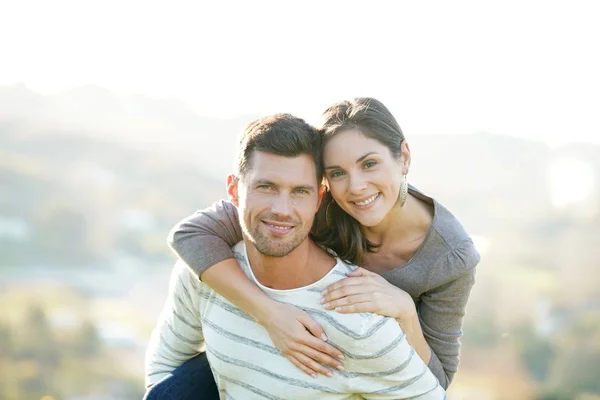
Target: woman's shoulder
x: 448, y: 249
x: 445, y: 224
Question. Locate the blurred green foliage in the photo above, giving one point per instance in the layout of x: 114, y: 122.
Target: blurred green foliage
x: 41, y: 360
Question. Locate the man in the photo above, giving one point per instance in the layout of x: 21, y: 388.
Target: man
x: 277, y: 191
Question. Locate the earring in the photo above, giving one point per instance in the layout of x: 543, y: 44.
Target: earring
x: 403, y: 191
x: 328, y: 214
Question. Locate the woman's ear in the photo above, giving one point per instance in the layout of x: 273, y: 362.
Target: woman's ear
x: 232, y: 189
x: 405, y: 157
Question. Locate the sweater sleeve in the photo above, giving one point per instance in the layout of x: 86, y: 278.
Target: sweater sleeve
x: 206, y: 237
x: 178, y: 335
x: 442, y: 311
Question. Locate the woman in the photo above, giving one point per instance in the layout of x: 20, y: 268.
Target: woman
x: 418, y: 263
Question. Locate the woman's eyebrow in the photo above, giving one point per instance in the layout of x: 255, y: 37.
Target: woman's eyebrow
x: 359, y: 159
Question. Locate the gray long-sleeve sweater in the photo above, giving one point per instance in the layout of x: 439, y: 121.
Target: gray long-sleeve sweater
x: 439, y: 277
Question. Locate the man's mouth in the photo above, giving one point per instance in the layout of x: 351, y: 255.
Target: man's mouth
x: 278, y: 227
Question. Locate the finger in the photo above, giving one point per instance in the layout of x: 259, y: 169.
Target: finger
x: 301, y: 366
x: 330, y: 352
x: 347, y: 290
x: 321, y: 358
x: 358, y: 271
x: 312, y: 326
x: 325, y: 348
x: 354, y: 281
x: 313, y: 365
x: 358, y: 308
x: 349, y: 300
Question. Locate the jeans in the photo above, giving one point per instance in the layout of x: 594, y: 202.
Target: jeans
x: 192, y: 380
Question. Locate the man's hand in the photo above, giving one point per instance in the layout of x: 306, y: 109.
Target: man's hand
x: 301, y: 340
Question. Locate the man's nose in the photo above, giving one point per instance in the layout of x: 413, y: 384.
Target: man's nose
x: 282, y: 206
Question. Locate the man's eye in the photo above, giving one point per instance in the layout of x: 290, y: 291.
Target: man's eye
x: 264, y: 187
x: 301, y: 191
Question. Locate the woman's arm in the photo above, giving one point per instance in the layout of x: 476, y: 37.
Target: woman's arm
x: 410, y: 324
x: 434, y: 329
x: 287, y: 325
x: 366, y: 291
x: 441, y: 313
x: 205, y: 238
x: 204, y: 242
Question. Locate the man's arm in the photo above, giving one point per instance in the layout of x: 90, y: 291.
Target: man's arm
x: 178, y: 335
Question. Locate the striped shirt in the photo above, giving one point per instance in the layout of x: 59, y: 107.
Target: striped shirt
x: 379, y: 362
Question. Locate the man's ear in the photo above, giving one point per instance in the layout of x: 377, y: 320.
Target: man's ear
x: 232, y: 189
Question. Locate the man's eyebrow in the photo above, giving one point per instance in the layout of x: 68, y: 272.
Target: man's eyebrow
x: 359, y: 159
x: 305, y: 186
x: 263, y: 182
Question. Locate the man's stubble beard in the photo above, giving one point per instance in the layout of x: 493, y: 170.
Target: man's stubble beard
x: 273, y: 247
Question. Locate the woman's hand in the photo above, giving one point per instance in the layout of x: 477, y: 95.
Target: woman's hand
x: 366, y: 291
x: 301, y: 340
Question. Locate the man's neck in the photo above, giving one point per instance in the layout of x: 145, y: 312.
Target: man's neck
x: 305, y: 265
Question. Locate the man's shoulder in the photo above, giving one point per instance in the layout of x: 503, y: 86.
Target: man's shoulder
x: 240, y: 248
x: 183, y: 279
x: 356, y: 325
x: 239, y: 253
x: 181, y: 270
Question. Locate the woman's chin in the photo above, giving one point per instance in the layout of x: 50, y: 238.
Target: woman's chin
x: 369, y: 221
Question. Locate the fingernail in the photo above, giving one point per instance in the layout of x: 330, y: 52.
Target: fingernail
x: 340, y: 367
x: 313, y: 375
x: 341, y: 357
x: 330, y: 374
x: 324, y: 292
x: 326, y: 305
x: 323, y: 300
x: 324, y: 336
x: 338, y: 309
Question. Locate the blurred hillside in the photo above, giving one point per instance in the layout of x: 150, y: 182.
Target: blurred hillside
x: 91, y: 182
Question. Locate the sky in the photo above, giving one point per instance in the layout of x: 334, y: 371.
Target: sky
x: 523, y: 68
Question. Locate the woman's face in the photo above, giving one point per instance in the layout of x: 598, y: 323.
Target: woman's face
x: 363, y: 176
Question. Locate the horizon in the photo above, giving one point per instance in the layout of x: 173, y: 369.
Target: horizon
x: 551, y: 144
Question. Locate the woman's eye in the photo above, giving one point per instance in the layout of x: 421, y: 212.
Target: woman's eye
x: 336, y: 174
x: 370, y: 164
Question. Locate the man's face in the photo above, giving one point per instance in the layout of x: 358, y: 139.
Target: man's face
x: 277, y: 198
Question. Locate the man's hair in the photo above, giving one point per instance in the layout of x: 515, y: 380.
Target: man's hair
x: 280, y: 134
